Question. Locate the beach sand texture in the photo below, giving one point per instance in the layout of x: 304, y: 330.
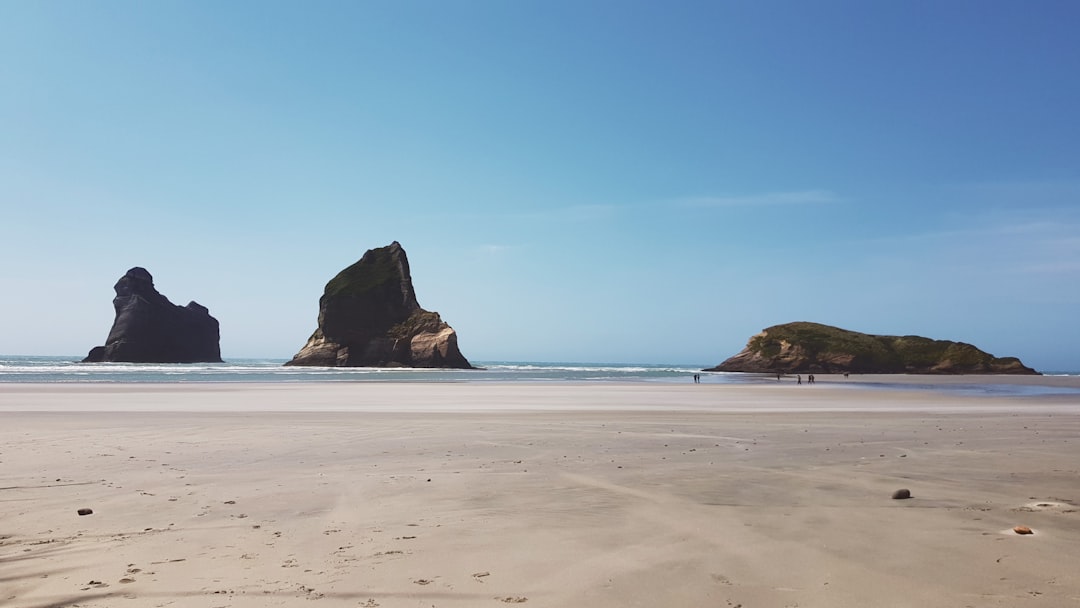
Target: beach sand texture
x: 474, y: 494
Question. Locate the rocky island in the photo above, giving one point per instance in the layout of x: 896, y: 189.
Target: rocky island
x: 148, y: 328
x: 369, y: 317
x: 804, y: 347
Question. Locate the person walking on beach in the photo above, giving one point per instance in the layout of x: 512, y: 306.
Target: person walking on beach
x: 800, y: 378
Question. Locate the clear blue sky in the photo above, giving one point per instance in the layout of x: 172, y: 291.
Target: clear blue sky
x: 606, y: 181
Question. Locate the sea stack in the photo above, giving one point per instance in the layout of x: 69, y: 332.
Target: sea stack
x: 150, y: 329
x: 369, y: 317
x: 803, y: 347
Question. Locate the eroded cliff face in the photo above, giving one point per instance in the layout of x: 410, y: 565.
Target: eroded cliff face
x: 812, y: 347
x: 369, y: 317
x: 148, y: 328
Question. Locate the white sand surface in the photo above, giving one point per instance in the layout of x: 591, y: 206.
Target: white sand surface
x: 474, y: 494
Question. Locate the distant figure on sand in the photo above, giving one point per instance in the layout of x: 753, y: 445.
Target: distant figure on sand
x: 800, y: 378
x: 810, y: 379
x: 697, y: 378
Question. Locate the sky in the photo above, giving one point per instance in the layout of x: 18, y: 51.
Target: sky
x: 585, y: 180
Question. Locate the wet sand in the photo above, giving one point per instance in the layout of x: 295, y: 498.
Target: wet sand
x: 599, y: 495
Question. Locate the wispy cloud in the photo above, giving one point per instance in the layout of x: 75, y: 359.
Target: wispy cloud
x: 599, y: 212
x: 1059, y: 267
x: 494, y: 249
x: 572, y: 214
x: 1044, y: 192
x: 797, y: 197
x: 1045, y: 245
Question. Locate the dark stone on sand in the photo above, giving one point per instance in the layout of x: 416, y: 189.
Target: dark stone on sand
x: 901, y: 494
x: 148, y: 328
x: 86, y: 511
x: 369, y: 317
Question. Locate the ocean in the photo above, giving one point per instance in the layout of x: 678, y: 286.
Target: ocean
x: 61, y: 369
x: 68, y: 369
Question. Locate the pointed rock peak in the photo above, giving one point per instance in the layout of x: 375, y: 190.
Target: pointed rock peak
x: 139, y: 273
x: 369, y: 316
x: 148, y: 328
x: 380, y: 271
x: 135, y: 281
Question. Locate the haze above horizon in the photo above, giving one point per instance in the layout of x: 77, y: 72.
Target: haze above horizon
x: 590, y: 181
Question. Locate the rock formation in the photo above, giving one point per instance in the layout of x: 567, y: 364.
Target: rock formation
x: 150, y: 329
x: 369, y: 317
x: 811, y: 347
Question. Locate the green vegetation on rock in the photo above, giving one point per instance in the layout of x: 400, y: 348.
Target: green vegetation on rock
x: 813, y: 347
x: 369, y: 317
x: 419, y: 321
x: 378, y: 267
x: 815, y: 339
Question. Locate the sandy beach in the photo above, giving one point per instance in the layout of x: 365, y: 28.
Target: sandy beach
x: 487, y: 494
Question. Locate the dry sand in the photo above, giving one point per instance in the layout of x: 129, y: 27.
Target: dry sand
x: 592, y: 495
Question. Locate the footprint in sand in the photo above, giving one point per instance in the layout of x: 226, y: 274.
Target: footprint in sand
x: 1048, y: 505
x: 513, y: 599
x: 311, y: 593
x: 95, y: 585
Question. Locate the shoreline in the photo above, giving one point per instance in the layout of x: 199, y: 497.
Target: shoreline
x: 830, y: 393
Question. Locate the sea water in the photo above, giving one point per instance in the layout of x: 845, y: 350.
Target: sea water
x: 31, y: 369
x: 68, y: 369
